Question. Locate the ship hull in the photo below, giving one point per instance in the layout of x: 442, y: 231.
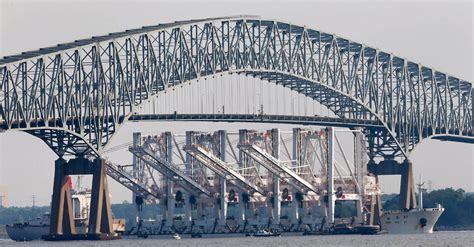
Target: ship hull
x: 411, y: 222
x: 26, y: 233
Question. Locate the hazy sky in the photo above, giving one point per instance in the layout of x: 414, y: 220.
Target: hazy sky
x: 436, y: 34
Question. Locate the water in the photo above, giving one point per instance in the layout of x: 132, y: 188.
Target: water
x: 458, y: 238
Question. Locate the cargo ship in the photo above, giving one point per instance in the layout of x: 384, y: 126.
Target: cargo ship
x: 412, y: 221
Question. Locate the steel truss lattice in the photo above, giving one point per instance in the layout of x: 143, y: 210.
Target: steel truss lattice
x: 76, y: 95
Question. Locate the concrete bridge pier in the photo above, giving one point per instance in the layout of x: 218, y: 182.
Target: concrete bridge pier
x: 100, y: 214
x: 407, y: 184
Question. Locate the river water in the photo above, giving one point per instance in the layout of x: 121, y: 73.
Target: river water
x: 458, y: 238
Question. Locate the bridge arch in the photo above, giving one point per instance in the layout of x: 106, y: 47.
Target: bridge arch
x: 88, y: 88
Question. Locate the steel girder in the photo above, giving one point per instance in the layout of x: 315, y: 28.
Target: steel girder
x: 90, y: 87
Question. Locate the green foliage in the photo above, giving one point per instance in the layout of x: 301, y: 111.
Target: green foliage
x: 128, y: 212
x: 345, y: 209
x: 459, y: 206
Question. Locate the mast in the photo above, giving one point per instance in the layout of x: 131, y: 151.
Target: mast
x: 420, y: 193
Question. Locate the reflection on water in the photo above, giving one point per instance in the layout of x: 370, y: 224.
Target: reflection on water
x: 464, y: 238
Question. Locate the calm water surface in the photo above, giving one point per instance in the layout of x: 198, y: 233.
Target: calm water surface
x: 464, y: 238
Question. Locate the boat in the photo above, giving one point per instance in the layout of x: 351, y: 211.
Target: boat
x: 417, y: 220
x: 29, y: 230
x: 342, y: 228
x: 36, y: 228
x: 266, y: 233
x: 176, y: 236
x: 366, y: 229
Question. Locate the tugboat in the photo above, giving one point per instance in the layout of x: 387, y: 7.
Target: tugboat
x: 418, y: 220
x: 266, y: 233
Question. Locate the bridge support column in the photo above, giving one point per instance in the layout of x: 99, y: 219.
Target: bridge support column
x: 375, y: 210
x: 407, y: 186
x: 62, y: 220
x: 100, y: 219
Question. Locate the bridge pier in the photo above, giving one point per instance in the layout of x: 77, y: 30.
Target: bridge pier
x: 407, y: 185
x: 100, y: 226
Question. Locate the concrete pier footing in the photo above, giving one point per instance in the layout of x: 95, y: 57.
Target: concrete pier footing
x: 62, y: 226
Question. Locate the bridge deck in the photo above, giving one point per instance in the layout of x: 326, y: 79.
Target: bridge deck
x: 264, y: 118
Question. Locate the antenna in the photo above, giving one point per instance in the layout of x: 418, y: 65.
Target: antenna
x: 420, y: 193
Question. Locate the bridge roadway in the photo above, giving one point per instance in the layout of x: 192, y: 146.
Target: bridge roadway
x: 263, y: 118
x: 287, y: 119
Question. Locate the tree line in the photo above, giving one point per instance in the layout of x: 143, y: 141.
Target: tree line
x: 459, y: 209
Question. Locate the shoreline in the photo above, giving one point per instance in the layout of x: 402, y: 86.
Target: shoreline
x: 453, y: 229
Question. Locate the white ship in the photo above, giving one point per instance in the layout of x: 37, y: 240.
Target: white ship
x: 418, y: 220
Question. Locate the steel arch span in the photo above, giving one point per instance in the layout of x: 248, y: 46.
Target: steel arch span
x: 74, y: 96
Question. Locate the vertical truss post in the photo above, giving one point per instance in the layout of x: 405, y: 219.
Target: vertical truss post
x: 169, y: 156
x: 242, y: 140
x: 276, y: 182
x: 330, y: 175
x: 136, y: 165
x: 297, y: 141
x: 360, y: 169
x: 169, y: 182
x: 472, y: 106
x: 222, y: 181
x: 242, y: 164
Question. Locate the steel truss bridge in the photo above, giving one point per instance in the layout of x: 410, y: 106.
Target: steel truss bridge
x: 75, y: 96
